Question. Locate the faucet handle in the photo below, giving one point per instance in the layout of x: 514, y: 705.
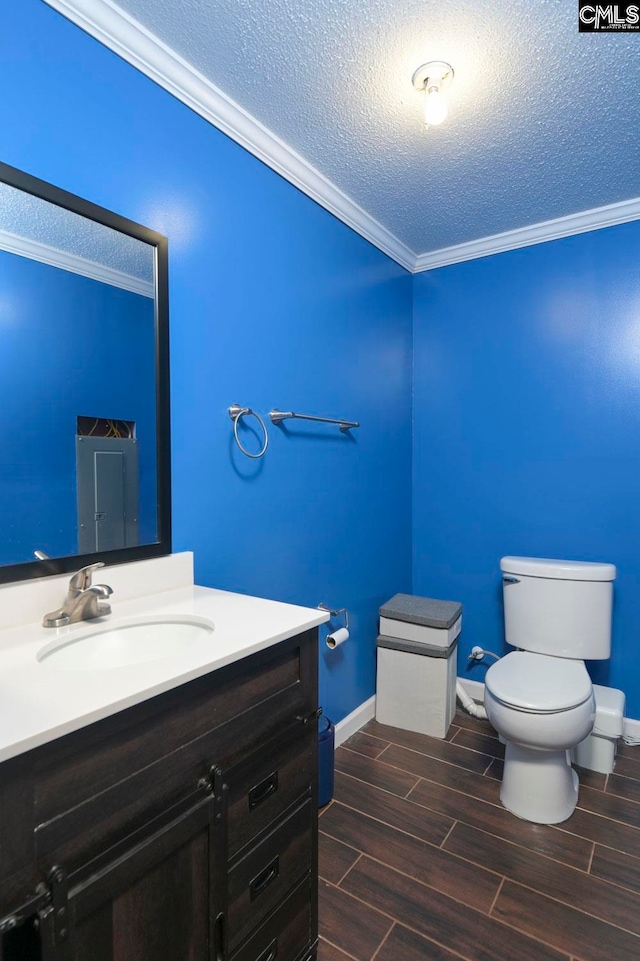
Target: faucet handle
x: 81, y: 580
x: 102, y: 590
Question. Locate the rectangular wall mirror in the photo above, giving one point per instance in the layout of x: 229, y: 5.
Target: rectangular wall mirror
x: 84, y: 384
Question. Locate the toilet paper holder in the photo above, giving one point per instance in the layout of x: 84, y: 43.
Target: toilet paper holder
x: 341, y: 610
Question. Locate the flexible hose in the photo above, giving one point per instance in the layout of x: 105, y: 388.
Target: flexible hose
x: 470, y: 706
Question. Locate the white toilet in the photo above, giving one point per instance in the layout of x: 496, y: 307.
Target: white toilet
x: 539, y: 697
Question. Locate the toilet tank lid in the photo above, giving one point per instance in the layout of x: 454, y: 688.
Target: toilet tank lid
x: 558, y: 569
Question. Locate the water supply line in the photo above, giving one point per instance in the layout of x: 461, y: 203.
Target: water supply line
x: 476, y: 710
x: 477, y: 653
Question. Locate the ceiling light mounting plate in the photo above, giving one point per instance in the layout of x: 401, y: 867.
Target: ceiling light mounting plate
x: 436, y: 70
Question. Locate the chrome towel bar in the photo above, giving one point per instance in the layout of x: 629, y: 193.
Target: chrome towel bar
x: 279, y: 415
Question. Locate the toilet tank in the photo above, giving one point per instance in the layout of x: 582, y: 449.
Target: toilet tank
x: 561, y: 608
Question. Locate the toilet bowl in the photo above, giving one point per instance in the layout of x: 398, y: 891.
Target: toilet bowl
x: 540, y: 698
x: 542, y: 707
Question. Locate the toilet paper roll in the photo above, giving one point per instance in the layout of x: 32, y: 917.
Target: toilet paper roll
x: 337, y: 638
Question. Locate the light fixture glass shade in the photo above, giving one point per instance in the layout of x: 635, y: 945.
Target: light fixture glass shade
x: 436, y: 109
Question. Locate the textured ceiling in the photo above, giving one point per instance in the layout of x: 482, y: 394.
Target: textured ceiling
x: 543, y: 121
x: 24, y: 215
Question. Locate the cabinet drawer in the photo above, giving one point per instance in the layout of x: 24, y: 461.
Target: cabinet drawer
x: 284, y: 935
x: 270, y: 781
x: 259, y: 881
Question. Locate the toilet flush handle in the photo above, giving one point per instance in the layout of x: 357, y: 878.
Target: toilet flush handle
x: 510, y: 580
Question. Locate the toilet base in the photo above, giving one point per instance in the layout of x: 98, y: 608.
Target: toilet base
x: 538, y: 786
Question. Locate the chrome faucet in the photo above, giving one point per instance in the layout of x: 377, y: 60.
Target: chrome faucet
x: 84, y: 600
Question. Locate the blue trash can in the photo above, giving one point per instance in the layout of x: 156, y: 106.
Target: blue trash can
x: 326, y: 746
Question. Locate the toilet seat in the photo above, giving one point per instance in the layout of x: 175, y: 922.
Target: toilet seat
x: 538, y: 683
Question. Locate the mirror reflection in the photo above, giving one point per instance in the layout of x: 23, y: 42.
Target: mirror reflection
x: 78, y: 458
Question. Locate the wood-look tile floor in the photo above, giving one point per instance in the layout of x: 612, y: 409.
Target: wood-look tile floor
x: 420, y: 862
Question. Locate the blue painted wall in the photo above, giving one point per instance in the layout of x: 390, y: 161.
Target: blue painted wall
x: 527, y: 371
x: 527, y: 428
x: 274, y: 303
x: 70, y: 346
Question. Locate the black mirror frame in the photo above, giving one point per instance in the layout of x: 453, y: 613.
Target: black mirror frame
x: 63, y: 565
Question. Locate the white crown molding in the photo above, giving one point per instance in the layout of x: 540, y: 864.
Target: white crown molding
x: 119, y: 32
x: 609, y: 216
x: 34, y: 250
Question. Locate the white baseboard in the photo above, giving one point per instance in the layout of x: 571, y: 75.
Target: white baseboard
x: 366, y: 711
x: 475, y: 689
x: 630, y: 727
x: 354, y: 721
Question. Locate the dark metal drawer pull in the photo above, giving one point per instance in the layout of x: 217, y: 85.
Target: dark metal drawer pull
x: 221, y: 951
x: 270, y: 953
x: 309, y: 717
x: 262, y: 791
x: 264, y: 879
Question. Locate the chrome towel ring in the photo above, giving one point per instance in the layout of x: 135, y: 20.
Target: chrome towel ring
x: 235, y: 413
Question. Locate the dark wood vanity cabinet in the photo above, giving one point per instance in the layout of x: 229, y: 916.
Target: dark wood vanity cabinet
x: 181, y: 829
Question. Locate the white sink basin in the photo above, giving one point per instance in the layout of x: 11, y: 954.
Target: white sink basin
x: 126, y: 642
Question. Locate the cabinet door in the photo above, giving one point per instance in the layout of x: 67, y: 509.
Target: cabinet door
x: 160, y: 898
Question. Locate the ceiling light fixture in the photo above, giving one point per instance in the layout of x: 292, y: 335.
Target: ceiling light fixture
x: 433, y: 77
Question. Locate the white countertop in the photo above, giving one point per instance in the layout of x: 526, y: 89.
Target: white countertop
x: 40, y: 702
